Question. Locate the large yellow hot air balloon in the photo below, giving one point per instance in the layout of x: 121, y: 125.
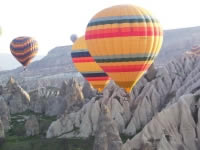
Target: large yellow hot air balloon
x: 124, y: 40
x: 86, y: 65
x: 24, y: 49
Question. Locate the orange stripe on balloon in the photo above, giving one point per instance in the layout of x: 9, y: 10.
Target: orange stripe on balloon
x: 126, y: 68
x: 120, y: 32
x: 83, y: 59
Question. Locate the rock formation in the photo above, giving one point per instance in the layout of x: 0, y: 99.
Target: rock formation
x: 174, y: 127
x: 4, y: 114
x: 54, y: 101
x: 16, y: 98
x: 2, y: 134
x: 71, y: 92
x: 32, y: 126
x: 107, y: 135
x: 132, y: 112
x: 88, y: 90
x: 40, y: 100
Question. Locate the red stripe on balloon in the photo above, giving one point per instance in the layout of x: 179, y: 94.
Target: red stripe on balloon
x: 125, y: 68
x: 121, y: 32
x: 97, y: 78
x: 83, y: 59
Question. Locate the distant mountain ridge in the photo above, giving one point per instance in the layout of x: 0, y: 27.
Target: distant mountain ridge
x: 176, y: 42
x: 58, y: 65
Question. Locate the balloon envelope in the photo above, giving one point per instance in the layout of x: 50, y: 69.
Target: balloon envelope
x: 24, y: 49
x: 73, y: 37
x: 124, y: 40
x: 86, y: 65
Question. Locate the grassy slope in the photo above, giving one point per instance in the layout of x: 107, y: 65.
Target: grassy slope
x: 16, y: 139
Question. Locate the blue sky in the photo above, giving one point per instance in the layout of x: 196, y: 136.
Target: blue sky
x: 51, y: 22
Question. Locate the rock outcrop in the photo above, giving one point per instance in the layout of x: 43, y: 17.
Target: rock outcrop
x: 16, y: 97
x: 54, y: 101
x: 2, y: 133
x: 32, y: 126
x: 88, y: 90
x: 132, y: 112
x: 4, y: 114
x: 174, y: 127
x: 41, y: 100
x: 107, y: 135
x: 72, y: 93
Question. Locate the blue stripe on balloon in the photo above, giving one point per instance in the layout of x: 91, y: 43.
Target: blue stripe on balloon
x: 100, y: 74
x: 80, y: 54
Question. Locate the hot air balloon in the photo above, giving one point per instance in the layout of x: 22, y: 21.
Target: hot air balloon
x: 86, y: 65
x: 73, y: 37
x: 194, y: 51
x: 124, y: 40
x: 24, y: 49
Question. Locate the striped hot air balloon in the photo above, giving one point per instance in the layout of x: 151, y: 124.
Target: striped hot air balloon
x: 124, y: 40
x: 194, y: 51
x: 86, y: 65
x: 24, y: 49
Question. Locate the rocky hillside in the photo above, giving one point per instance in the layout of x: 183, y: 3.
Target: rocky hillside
x: 176, y: 42
x: 162, y: 111
x: 157, y: 114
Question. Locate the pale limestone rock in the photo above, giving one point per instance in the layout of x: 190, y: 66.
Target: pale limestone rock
x: 107, y: 135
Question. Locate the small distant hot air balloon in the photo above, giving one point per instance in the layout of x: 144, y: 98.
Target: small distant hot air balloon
x: 24, y: 49
x: 86, y: 65
x: 124, y: 40
x: 73, y: 37
x: 194, y: 51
